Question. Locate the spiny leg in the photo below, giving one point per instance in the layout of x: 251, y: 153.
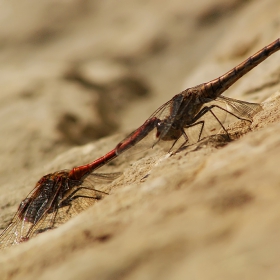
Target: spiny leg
x: 207, y: 109
x: 186, y: 140
x: 186, y: 136
x: 67, y: 201
x: 219, y: 122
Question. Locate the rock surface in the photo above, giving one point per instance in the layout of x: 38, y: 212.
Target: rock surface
x: 205, y: 213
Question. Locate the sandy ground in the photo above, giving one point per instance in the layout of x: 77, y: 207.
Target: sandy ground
x: 74, y: 72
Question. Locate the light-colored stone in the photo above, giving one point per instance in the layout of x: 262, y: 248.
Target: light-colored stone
x: 209, y: 213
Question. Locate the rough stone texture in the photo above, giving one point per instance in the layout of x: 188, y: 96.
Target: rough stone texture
x: 206, y: 213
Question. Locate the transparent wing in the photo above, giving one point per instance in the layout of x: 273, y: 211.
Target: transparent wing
x: 11, y: 234
x: 145, y: 137
x: 59, y: 208
x: 101, y: 178
x: 223, y: 111
x: 18, y: 229
x: 242, y: 109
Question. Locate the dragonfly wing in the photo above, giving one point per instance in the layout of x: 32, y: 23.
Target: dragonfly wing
x: 167, y: 114
x: 224, y: 110
x: 240, y: 108
x: 81, y: 197
x: 16, y: 232
x: 101, y: 178
x: 36, y: 215
x: 77, y: 199
x: 46, y: 223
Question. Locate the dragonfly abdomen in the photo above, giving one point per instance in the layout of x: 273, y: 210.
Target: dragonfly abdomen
x: 217, y: 86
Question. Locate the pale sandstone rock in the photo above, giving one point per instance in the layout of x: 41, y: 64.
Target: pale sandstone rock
x: 212, y: 213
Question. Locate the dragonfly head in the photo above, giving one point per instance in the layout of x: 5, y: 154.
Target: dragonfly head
x: 167, y: 131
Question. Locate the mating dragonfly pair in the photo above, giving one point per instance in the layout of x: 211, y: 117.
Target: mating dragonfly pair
x: 60, y: 195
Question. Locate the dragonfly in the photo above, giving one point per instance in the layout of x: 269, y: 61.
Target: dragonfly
x: 55, y: 198
x: 192, y: 108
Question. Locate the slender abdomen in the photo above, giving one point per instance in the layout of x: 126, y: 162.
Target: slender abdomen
x: 216, y: 87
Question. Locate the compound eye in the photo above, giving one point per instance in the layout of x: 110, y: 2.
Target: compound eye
x: 159, y: 127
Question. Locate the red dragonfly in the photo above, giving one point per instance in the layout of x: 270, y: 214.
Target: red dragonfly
x: 55, y: 199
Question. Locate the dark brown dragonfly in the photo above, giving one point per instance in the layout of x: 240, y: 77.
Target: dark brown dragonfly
x: 201, y: 108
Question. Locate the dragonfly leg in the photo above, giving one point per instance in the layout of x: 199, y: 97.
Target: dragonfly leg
x: 204, y: 110
x: 194, y: 124
x: 186, y: 136
x: 67, y: 201
x: 186, y: 140
x: 221, y: 108
x: 219, y: 121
